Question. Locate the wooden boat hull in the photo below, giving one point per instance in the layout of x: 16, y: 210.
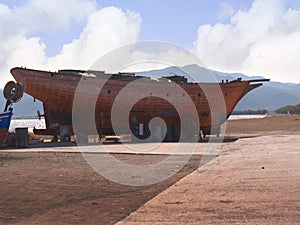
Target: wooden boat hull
x: 214, y: 102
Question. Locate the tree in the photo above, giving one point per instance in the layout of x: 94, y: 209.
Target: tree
x: 289, y: 109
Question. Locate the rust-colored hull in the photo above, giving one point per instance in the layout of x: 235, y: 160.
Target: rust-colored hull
x: 57, y: 89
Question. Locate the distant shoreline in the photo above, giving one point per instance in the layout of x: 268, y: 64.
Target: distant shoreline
x: 247, y: 116
x: 242, y: 116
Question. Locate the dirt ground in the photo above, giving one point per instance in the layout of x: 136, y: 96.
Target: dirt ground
x: 273, y: 124
x: 61, y: 188
x: 249, y: 183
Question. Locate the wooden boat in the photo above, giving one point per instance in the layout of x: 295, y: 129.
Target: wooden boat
x: 57, y: 90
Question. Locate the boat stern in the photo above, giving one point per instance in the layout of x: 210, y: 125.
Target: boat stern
x: 18, y: 75
x: 5, y: 118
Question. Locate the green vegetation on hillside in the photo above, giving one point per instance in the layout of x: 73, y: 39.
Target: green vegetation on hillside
x: 250, y: 112
x: 290, y: 109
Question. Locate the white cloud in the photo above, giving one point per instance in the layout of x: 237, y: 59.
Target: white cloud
x: 263, y: 40
x: 105, y: 29
x: 29, y: 51
x: 226, y: 10
x: 40, y: 15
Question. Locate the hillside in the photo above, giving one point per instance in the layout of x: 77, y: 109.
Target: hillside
x: 289, y: 109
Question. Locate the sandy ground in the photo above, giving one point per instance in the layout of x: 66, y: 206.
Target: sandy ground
x: 254, y: 180
x: 61, y: 188
x: 249, y: 183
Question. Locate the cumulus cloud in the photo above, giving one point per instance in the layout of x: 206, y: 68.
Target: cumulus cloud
x: 262, y: 40
x: 55, y: 14
x: 105, y: 29
x: 226, y: 10
x: 39, y: 15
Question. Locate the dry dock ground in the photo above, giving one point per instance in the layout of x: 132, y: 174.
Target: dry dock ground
x: 254, y: 180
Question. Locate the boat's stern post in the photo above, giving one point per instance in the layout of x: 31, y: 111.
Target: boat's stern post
x: 7, y: 104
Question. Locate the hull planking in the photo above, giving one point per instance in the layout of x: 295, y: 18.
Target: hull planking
x: 214, y: 102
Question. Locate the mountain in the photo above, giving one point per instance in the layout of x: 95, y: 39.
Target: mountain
x: 271, y: 96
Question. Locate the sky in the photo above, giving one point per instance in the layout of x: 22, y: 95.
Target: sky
x: 255, y: 37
